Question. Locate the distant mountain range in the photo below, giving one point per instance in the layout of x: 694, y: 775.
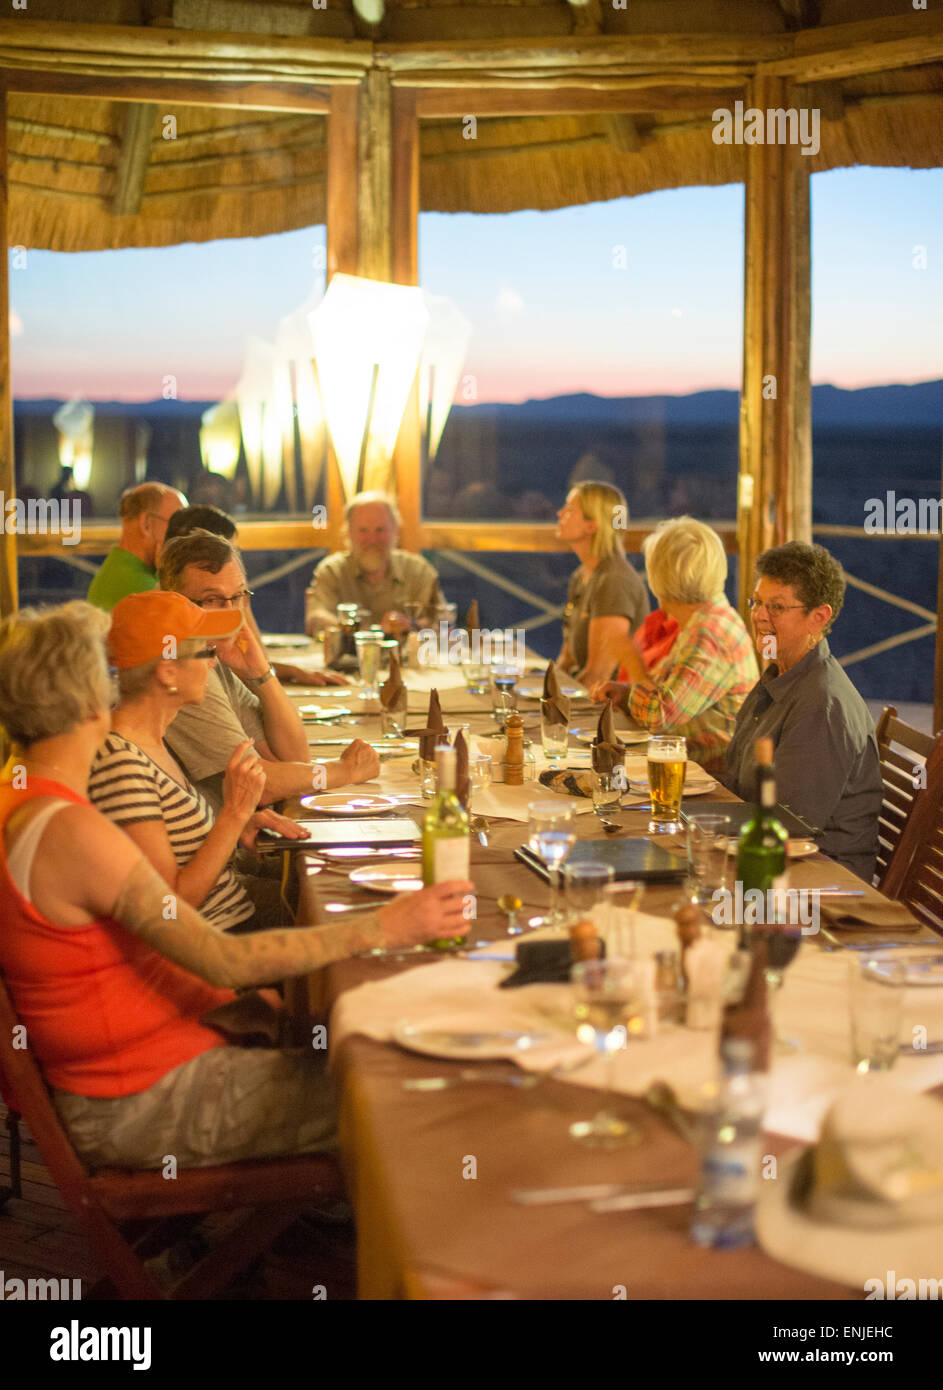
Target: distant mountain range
x: 872, y: 407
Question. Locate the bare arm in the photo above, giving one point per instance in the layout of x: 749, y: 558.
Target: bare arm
x: 358, y: 763
x: 195, y: 880
x: 608, y: 638
x: 284, y: 730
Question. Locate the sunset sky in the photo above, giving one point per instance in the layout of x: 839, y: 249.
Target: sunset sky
x: 553, y: 309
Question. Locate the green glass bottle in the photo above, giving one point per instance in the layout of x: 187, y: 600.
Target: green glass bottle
x: 445, y: 833
x: 761, y: 853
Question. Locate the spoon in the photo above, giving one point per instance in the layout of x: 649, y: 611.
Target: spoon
x: 611, y: 827
x: 510, y: 904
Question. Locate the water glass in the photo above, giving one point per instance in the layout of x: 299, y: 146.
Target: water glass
x: 708, y: 847
x: 368, y: 654
x: 550, y: 834
x: 479, y: 772
x: 476, y: 677
x: 584, y: 887
x: 607, y: 1003
x: 877, y: 1006
x: 555, y: 740
x: 503, y: 702
x: 427, y: 779
x: 388, y: 645
x: 667, y: 763
x: 391, y: 723
x: 607, y: 791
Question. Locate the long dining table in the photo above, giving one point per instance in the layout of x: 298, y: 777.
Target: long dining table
x: 431, y: 1171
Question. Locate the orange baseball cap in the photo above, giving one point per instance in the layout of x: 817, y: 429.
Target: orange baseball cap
x: 141, y: 624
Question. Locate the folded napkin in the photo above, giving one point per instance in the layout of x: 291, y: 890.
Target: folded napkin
x: 462, y: 782
x: 471, y: 617
x: 435, y: 731
x: 393, y: 697
x: 543, y: 962
x: 848, y: 916
x: 608, y: 749
x: 555, y: 707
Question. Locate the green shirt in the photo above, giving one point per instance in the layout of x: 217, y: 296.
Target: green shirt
x: 121, y: 574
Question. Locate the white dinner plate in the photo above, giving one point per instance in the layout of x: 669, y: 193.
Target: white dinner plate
x: 534, y: 690
x: 312, y: 712
x: 459, y: 1038
x: 386, y: 878
x: 627, y: 736
x: 798, y: 849
x: 343, y: 804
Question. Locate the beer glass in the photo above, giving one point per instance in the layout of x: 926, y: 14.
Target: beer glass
x: 368, y: 652
x: 667, y: 760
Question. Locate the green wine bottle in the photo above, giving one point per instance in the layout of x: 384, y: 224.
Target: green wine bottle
x: 761, y: 853
x: 445, y: 833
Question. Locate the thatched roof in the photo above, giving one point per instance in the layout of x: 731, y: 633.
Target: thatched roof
x: 89, y: 174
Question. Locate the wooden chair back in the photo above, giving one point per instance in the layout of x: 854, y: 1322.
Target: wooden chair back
x: 915, y: 876
x: 904, y: 752
x: 277, y: 1189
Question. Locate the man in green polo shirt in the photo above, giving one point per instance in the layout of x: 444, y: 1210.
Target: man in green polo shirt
x: 131, y: 566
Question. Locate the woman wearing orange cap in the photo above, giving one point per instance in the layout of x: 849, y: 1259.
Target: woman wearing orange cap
x: 118, y: 979
x: 137, y: 783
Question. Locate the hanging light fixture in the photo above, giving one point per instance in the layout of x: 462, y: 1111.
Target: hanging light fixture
x: 75, y: 422
x: 294, y: 348
x: 443, y: 356
x: 368, y: 337
x: 220, y: 438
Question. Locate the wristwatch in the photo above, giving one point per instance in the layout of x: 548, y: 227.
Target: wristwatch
x: 256, y: 681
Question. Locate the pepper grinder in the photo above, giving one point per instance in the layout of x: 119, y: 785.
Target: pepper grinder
x: 514, y: 757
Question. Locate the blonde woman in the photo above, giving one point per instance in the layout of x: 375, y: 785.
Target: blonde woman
x: 698, y: 687
x: 606, y: 600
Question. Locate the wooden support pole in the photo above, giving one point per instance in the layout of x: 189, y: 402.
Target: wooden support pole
x: 8, y: 578
x: 376, y: 258
x: 135, y: 156
x: 404, y: 197
x: 342, y: 184
x: 775, y: 492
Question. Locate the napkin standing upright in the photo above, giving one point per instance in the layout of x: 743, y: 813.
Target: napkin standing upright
x: 393, y: 696
x: 554, y: 707
x: 435, y: 730
x: 462, y: 780
x: 608, y: 751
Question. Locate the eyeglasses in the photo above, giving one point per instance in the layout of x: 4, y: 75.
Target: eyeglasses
x: 774, y: 609
x: 207, y: 653
x: 114, y: 689
x: 217, y: 601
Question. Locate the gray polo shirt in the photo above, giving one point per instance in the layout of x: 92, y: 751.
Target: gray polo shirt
x: 613, y: 590
x: 204, y: 737
x: 340, y: 579
x: 827, y: 765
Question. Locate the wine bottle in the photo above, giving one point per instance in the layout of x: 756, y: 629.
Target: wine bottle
x: 445, y: 830
x: 761, y: 853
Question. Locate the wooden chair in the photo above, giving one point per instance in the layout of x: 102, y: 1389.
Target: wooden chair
x: 915, y: 875
x: 903, y: 752
x: 129, y: 1216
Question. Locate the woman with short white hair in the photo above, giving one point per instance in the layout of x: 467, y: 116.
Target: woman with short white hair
x: 697, y: 688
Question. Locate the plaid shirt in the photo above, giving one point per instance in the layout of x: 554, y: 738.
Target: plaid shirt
x: 696, y: 690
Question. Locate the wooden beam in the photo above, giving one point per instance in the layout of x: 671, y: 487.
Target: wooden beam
x: 62, y: 132
x: 587, y: 16
x: 874, y: 45
x: 135, y: 154
x: 624, y: 134
x: 775, y: 490
x: 342, y: 184
x: 254, y: 96
x: 407, y: 458
x: 444, y: 102
x: 375, y: 167
x: 8, y: 578
x: 736, y: 53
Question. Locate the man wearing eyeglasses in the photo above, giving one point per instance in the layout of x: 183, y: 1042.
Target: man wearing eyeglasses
x: 243, y: 699
x: 131, y: 566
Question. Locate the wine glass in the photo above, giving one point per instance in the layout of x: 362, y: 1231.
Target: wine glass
x: 551, y: 835
x: 479, y: 772
x: 606, y: 996
x: 782, y: 945
x: 585, y: 885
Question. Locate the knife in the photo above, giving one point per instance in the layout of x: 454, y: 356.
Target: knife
x: 602, y: 1192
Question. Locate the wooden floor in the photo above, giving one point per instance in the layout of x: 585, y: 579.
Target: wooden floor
x: 41, y: 1239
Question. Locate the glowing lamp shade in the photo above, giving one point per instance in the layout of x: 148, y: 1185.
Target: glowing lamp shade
x: 75, y: 422
x: 258, y: 396
x: 368, y: 337
x: 220, y: 438
x: 294, y: 350
x: 443, y: 357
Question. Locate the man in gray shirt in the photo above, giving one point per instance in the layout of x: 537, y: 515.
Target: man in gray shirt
x: 373, y: 573
x: 243, y: 699
x: 827, y: 766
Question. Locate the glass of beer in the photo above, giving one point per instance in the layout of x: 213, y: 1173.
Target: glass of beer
x: 667, y: 759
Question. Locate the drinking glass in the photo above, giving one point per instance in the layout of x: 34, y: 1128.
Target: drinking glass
x: 554, y: 739
x: 391, y: 723
x: 550, y: 834
x: 607, y: 792
x: 584, y: 887
x: 667, y: 760
x: 877, y: 1004
x: 476, y: 677
x: 479, y: 772
x: 503, y: 703
x: 368, y: 654
x: 605, y: 998
x: 708, y: 847
x: 388, y: 645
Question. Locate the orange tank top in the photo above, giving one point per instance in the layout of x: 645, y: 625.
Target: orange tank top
x: 105, y: 1015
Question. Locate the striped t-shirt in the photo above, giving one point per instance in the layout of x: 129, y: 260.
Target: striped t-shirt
x: 128, y: 787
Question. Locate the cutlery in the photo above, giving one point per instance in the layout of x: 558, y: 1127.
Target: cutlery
x: 662, y: 1098
x: 523, y: 1081
x: 611, y: 827
x: 635, y: 1201
x: 364, y: 852
x: 598, y: 1192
